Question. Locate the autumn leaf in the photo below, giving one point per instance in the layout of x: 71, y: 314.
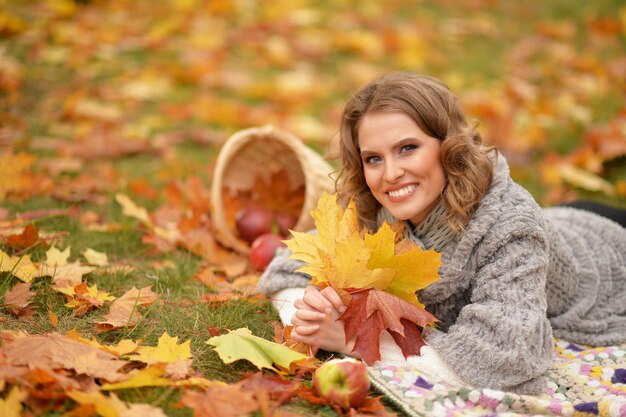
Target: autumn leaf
x: 124, y: 311
x: 28, y: 238
x: 218, y: 401
x: 414, y: 268
x: 56, y: 257
x: 112, y: 406
x: 18, y: 266
x: 83, y: 299
x: 372, y: 311
x: 344, y: 257
x: 18, y: 298
x: 337, y: 254
x: 64, y: 276
x: 130, y: 209
x: 53, y: 351
x: 95, y: 258
x: 12, y: 405
x: 151, y: 376
x: 242, y: 344
x: 167, y: 351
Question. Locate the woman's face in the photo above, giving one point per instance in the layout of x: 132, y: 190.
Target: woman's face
x: 402, y: 165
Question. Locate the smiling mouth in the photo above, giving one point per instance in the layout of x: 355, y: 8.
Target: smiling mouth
x: 402, y: 191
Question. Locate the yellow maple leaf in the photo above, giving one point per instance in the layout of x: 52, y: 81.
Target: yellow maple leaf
x: 18, y: 266
x: 413, y: 269
x: 56, y: 257
x: 111, y: 406
x: 343, y: 256
x: 68, y: 275
x: 167, y: 351
x: 152, y: 376
x: 130, y: 209
x: 12, y: 405
x: 83, y: 298
x: 337, y: 254
x: 96, y: 258
x: 242, y: 344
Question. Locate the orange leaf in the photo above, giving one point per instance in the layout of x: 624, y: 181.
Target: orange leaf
x: 124, y: 311
x: 217, y: 401
x: 54, y: 351
x: 26, y: 239
x: 371, y: 311
x: 18, y: 298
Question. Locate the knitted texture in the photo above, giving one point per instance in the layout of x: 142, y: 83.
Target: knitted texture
x: 510, y: 270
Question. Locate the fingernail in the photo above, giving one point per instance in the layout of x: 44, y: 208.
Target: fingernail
x: 321, y: 315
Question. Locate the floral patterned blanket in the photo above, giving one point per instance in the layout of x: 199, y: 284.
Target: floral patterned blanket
x: 583, y: 381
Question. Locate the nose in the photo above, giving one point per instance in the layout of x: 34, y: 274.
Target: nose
x: 393, y: 171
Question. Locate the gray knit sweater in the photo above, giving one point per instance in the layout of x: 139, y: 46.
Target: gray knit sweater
x: 516, y: 276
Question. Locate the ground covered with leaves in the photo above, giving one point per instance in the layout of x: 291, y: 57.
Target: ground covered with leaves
x: 112, y: 113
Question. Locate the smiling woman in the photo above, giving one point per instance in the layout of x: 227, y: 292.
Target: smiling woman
x: 401, y: 164
x: 513, y: 275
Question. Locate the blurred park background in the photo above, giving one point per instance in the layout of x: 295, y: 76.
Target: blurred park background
x: 157, y: 86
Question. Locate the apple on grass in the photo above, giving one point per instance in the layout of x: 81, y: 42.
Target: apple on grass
x: 343, y: 382
x: 263, y: 250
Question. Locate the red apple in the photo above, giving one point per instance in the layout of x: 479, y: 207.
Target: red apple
x: 263, y: 250
x: 284, y: 221
x: 251, y: 222
x: 343, y: 382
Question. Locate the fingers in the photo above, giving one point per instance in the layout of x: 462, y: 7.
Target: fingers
x: 305, y: 330
x: 309, y: 315
x: 331, y: 295
x: 315, y: 300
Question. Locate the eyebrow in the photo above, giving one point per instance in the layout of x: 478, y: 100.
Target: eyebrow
x: 396, y: 145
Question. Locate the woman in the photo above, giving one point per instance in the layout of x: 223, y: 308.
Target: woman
x: 512, y: 275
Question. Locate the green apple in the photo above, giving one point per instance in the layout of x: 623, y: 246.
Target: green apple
x: 343, y: 382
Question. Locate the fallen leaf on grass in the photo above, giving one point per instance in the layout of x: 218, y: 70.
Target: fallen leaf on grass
x: 84, y: 299
x: 130, y: 209
x: 111, y: 406
x: 28, y: 238
x: 221, y: 401
x: 18, y: 266
x: 12, y: 405
x: 124, y: 311
x: 95, y: 258
x: 167, y: 351
x: 54, y: 351
x: 242, y: 344
x: 18, y: 298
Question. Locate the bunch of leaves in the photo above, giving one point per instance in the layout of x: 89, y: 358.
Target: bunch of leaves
x: 379, y: 276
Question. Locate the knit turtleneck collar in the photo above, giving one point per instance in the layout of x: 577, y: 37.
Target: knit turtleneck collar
x: 432, y: 233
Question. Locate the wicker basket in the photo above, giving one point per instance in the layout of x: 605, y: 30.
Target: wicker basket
x: 247, y: 169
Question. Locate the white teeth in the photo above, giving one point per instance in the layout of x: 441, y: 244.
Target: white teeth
x: 402, y: 191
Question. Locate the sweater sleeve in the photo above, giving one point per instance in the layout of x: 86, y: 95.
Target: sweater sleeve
x: 502, y: 339
x: 281, y: 273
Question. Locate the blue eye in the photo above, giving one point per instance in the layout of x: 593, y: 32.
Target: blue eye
x: 372, y: 159
x: 408, y: 148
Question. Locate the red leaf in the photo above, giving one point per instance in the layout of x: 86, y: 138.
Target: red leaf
x: 371, y: 311
x: 26, y: 239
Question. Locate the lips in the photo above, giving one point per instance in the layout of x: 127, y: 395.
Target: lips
x: 402, y: 193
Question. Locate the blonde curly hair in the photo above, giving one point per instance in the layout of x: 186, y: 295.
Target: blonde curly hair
x: 437, y: 112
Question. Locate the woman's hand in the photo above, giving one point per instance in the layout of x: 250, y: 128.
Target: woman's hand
x: 316, y: 321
